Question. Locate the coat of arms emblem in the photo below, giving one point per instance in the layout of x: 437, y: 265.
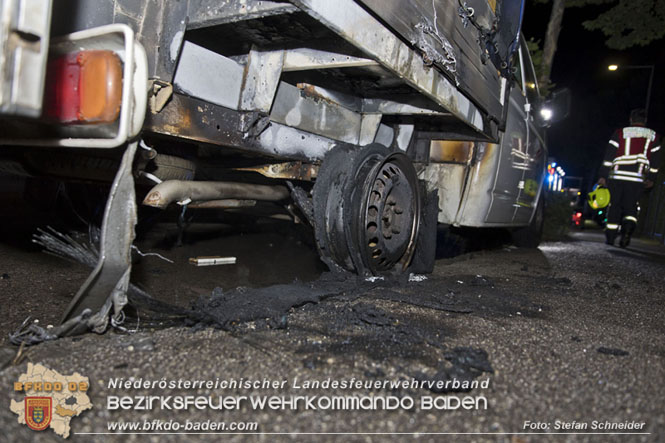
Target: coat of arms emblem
x: 38, y: 412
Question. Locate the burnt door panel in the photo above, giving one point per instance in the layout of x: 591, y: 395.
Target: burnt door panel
x: 534, y: 161
x: 512, y: 163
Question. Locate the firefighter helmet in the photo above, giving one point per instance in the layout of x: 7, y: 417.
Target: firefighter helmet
x: 599, y: 198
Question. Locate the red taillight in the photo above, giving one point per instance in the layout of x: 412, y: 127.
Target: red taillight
x: 84, y: 87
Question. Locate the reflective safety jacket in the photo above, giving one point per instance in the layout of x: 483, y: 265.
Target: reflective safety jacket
x: 633, y: 154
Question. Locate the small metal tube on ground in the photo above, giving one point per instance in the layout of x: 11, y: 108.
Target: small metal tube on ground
x: 171, y: 191
x: 212, y: 261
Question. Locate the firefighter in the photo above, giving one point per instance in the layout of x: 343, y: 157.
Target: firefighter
x: 629, y: 167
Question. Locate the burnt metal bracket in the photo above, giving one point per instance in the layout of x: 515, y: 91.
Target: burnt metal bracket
x: 253, y: 123
x: 302, y: 201
x: 158, y: 24
x: 106, y: 287
x: 159, y: 94
x: 260, y: 80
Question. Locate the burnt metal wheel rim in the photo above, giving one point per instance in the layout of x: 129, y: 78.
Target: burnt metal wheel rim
x: 390, y: 214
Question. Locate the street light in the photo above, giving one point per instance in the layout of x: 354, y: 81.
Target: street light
x: 650, y: 67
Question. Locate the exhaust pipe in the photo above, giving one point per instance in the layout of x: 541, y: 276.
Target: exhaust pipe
x: 171, y: 191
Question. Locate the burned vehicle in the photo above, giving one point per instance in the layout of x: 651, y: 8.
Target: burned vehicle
x: 371, y: 120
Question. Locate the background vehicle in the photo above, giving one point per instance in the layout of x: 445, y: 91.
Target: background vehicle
x: 590, y: 209
x: 372, y: 120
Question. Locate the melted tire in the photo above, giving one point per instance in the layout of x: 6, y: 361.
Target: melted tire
x: 424, y: 255
x: 366, y: 210
x: 328, y: 191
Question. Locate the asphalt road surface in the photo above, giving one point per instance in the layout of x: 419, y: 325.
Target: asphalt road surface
x: 569, y: 334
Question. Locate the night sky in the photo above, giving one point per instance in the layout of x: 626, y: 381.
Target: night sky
x: 601, y: 100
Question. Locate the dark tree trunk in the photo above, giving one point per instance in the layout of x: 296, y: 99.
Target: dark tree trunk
x: 551, y: 38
